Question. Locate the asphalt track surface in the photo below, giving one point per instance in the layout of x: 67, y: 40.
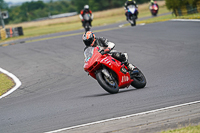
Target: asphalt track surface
x: 56, y: 92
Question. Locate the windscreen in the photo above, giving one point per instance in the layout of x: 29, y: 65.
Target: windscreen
x: 88, y: 53
x: 131, y: 8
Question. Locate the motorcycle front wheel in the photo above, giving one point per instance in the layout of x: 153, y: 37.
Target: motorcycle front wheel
x: 133, y: 18
x: 154, y: 13
x: 108, y: 85
x: 139, y: 80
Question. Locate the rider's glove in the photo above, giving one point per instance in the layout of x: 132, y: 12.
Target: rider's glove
x: 102, y: 52
x: 105, y: 51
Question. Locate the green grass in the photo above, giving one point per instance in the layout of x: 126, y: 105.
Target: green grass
x: 188, y: 129
x: 157, y: 19
x: 191, y: 16
x: 168, y: 17
x: 5, y: 84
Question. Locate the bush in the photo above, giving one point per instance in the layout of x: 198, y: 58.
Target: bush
x: 174, y: 5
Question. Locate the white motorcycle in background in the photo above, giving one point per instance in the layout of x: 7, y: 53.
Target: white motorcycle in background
x: 131, y: 12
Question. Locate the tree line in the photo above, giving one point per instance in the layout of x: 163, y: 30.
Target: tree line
x: 33, y: 10
x: 176, y: 4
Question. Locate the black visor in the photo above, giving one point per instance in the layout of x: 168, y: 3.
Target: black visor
x: 88, y: 42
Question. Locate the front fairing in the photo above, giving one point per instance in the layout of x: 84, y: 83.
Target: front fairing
x: 153, y: 7
x: 131, y: 9
x: 94, y: 60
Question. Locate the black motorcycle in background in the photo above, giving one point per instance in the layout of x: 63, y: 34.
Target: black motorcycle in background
x: 87, y: 22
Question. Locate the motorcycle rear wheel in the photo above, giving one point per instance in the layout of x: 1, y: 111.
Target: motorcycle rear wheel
x: 139, y: 80
x: 87, y: 27
x: 109, y: 86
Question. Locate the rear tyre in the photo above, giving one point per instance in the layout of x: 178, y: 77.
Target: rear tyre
x: 110, y: 86
x: 87, y: 27
x: 139, y: 80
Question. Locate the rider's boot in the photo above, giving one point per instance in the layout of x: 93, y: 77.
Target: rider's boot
x: 83, y: 23
x: 136, y: 14
x: 90, y: 23
x: 127, y: 64
x: 126, y: 14
x: 131, y: 69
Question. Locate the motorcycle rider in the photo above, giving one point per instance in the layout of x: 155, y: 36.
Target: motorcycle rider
x: 86, y: 10
x: 127, y: 3
x: 90, y: 40
x: 152, y: 2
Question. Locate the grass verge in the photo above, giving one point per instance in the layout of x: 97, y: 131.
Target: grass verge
x: 188, y: 129
x: 5, y: 84
x: 169, y: 17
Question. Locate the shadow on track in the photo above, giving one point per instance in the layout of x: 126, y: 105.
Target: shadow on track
x: 108, y: 94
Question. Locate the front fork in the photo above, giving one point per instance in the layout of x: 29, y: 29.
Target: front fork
x: 106, y: 73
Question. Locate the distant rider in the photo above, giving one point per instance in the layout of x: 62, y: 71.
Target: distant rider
x: 86, y: 10
x: 152, y: 2
x: 90, y: 40
x: 128, y: 3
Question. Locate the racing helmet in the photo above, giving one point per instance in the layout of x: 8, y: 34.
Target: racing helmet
x: 86, y: 7
x: 89, y: 38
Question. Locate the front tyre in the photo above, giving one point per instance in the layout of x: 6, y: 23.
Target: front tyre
x: 139, y: 80
x: 134, y: 22
x: 154, y: 13
x: 110, y: 86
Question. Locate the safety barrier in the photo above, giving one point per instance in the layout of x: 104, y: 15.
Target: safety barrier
x: 11, y: 32
x: 3, y: 34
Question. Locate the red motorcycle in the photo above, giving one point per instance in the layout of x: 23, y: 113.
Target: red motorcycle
x: 154, y: 9
x: 110, y: 73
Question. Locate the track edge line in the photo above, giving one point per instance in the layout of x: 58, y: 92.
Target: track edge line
x: 15, y: 79
x: 123, y: 117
